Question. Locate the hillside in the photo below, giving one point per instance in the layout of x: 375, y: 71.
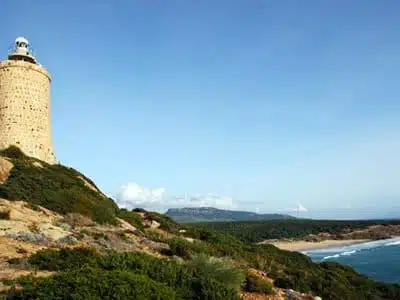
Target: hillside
x: 61, y: 238
x: 210, y: 214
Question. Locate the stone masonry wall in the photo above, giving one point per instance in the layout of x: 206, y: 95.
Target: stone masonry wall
x: 25, y: 109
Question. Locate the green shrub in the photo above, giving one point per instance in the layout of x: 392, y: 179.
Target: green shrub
x: 284, y: 283
x: 100, y: 235
x: 132, y: 218
x: 85, y: 232
x: 179, y: 248
x: 166, y: 223
x: 64, y: 259
x: 5, y: 215
x: 34, y: 207
x: 77, y: 220
x: 155, y: 236
x: 256, y: 284
x: 12, y: 152
x: 220, y: 270
x: 208, y: 288
x: 93, y: 284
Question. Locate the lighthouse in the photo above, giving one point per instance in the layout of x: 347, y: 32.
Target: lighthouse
x: 25, y: 103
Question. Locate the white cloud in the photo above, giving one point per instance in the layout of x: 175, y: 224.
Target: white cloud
x: 132, y: 195
x: 299, y: 208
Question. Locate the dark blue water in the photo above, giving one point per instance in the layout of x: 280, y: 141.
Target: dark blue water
x: 379, y: 260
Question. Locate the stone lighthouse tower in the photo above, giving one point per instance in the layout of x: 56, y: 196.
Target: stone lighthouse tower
x: 25, y: 103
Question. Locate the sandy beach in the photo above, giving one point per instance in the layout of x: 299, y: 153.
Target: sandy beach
x: 303, y: 245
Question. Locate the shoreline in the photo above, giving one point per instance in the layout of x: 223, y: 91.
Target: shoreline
x: 300, y: 246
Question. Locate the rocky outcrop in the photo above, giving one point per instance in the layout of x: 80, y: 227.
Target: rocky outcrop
x: 27, y: 222
x: 151, y: 224
x: 89, y: 185
x: 5, y: 168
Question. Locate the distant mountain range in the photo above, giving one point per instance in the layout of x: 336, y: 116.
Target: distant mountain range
x: 210, y: 214
x: 392, y: 216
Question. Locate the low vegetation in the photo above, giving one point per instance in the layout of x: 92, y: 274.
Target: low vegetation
x: 166, y: 223
x: 255, y: 284
x: 288, y: 269
x: 132, y: 218
x: 87, y: 274
x: 55, y: 187
x: 212, y: 268
x: 5, y: 215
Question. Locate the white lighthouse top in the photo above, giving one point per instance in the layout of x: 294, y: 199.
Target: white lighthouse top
x: 21, y: 40
x: 21, y: 50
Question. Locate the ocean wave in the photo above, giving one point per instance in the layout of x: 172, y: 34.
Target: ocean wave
x: 328, y: 253
x: 348, y: 252
x: 393, y: 243
x: 331, y: 256
x: 345, y: 253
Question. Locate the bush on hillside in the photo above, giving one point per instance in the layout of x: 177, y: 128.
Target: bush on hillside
x: 219, y: 269
x: 179, y: 248
x: 5, y: 215
x: 76, y: 220
x: 166, y: 223
x: 64, y: 259
x: 12, y: 152
x: 132, y: 218
x: 139, y: 210
x: 255, y: 284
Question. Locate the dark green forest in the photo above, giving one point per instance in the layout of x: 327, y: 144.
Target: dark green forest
x: 258, y: 231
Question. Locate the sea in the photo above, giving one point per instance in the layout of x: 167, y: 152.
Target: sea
x: 379, y: 260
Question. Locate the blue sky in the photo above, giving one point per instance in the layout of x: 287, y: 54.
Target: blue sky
x: 256, y: 105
